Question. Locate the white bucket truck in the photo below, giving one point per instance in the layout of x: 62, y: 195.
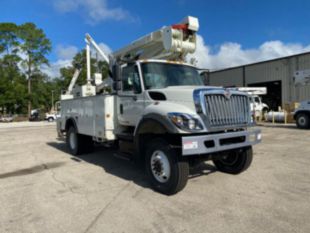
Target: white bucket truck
x: 159, y: 113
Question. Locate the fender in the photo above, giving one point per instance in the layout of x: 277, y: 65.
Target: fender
x: 301, y: 111
x: 70, y: 121
x: 152, y: 123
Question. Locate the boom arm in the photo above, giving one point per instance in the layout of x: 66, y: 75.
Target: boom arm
x: 171, y: 42
x: 73, y: 80
x: 90, y: 40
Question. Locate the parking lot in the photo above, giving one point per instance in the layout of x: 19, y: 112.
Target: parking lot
x: 44, y: 189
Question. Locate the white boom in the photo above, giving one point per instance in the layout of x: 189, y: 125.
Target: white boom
x: 90, y: 40
x: 73, y: 80
x: 170, y: 42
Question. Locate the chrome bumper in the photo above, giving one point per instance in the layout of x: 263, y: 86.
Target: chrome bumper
x: 204, y: 144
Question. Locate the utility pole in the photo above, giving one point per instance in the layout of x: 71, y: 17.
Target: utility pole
x: 29, y: 87
x: 53, y: 100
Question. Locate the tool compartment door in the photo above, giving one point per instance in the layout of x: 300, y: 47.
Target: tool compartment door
x: 104, y: 117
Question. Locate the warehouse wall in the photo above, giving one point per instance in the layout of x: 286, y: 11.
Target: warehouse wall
x: 274, y: 70
x: 232, y: 78
x: 302, y: 63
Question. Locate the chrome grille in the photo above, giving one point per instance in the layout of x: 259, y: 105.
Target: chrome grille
x: 222, y: 111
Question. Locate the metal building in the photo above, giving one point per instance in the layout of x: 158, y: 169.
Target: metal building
x: 276, y: 75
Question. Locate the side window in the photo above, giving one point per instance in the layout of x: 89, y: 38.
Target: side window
x: 130, y: 79
x: 257, y: 100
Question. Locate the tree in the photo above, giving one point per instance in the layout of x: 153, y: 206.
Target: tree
x: 35, y: 46
x: 80, y: 59
x: 8, y: 38
x: 12, y: 87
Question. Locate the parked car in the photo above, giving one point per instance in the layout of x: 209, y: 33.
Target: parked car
x: 6, y: 118
x: 50, y: 117
x: 36, y: 115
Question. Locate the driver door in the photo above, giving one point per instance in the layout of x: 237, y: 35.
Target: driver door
x: 130, y: 98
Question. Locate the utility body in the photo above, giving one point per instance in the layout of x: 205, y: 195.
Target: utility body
x: 159, y: 113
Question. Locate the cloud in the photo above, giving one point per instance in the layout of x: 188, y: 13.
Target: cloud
x: 65, y: 55
x: 66, y: 52
x: 95, y: 11
x: 53, y: 70
x: 232, y: 54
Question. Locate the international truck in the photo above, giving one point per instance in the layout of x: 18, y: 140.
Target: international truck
x: 155, y: 109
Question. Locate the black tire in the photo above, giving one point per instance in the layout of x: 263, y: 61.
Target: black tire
x: 50, y: 119
x: 235, y: 161
x: 302, y: 121
x: 179, y: 170
x: 78, y: 144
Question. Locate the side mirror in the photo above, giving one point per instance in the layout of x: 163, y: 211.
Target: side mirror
x: 117, y: 86
x: 116, y: 73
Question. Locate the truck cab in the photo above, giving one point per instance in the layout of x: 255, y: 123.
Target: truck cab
x: 257, y: 106
x: 164, y: 118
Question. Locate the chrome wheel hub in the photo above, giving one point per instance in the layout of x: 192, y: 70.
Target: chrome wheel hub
x: 160, y: 166
x: 301, y: 120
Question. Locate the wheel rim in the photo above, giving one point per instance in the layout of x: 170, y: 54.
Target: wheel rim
x: 301, y: 121
x: 160, y: 166
x: 229, y: 159
x: 72, y: 140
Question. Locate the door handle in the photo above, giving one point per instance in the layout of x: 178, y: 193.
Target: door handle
x: 121, y: 110
x: 134, y: 98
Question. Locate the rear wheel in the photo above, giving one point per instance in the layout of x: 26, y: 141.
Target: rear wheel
x: 234, y: 162
x: 78, y: 143
x: 302, y: 121
x: 167, y: 173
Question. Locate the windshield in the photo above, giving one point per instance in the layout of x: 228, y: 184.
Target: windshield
x: 161, y: 75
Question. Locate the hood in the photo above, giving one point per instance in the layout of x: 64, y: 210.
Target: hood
x: 178, y: 94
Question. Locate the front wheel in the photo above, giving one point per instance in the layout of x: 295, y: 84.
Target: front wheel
x: 167, y: 173
x: 234, y: 162
x: 302, y: 121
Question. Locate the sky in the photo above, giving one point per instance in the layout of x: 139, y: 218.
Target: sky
x: 231, y: 33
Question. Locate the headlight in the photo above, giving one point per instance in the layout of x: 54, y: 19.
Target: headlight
x: 185, y: 121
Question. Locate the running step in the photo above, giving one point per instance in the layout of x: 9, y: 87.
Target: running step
x: 125, y: 136
x: 123, y: 156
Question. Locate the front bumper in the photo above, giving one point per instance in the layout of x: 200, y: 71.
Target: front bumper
x: 205, y: 144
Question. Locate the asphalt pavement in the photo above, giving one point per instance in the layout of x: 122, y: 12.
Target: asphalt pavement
x: 45, y: 189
